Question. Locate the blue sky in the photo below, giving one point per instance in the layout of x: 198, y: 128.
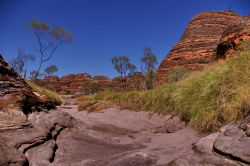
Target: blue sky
x: 103, y: 29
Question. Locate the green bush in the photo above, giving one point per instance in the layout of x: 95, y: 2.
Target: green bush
x: 91, y: 87
x: 177, y: 74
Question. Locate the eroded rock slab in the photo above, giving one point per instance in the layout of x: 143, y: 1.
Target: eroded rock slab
x: 16, y: 99
x: 125, y: 137
x: 36, y: 142
x: 230, y: 147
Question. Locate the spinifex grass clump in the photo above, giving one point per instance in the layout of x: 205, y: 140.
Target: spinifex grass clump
x: 208, y: 99
x: 54, y: 97
x: 216, y: 96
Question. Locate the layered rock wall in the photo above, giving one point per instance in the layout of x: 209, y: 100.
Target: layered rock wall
x: 73, y: 83
x: 236, y: 34
x: 198, y: 44
x: 16, y: 97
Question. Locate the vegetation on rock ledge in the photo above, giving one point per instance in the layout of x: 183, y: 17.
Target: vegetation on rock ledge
x: 208, y: 99
x: 53, y: 96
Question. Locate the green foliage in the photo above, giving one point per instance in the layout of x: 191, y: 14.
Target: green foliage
x: 150, y: 79
x: 53, y: 96
x: 208, y: 99
x: 91, y: 87
x: 61, y: 34
x: 122, y: 65
x: 48, y: 39
x: 39, y: 26
x: 216, y: 96
x: 34, y: 74
x: 148, y: 59
x: 177, y: 74
x: 50, y: 70
x: 131, y: 69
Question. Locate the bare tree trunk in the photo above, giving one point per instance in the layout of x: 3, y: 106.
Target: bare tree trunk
x: 24, y: 74
x: 38, y: 71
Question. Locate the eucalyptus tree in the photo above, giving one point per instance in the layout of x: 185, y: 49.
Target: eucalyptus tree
x: 48, y: 39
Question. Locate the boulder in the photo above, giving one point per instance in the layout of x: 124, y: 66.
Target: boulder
x: 230, y: 147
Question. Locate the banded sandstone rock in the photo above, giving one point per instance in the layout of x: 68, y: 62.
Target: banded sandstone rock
x: 16, y: 97
x: 197, y: 46
x: 237, y: 33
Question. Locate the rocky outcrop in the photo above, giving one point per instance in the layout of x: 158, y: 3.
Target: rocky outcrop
x: 197, y: 46
x: 34, y: 144
x: 73, y: 83
x: 230, y: 146
x: 68, y: 84
x: 135, y: 81
x: 16, y: 97
x: 232, y: 38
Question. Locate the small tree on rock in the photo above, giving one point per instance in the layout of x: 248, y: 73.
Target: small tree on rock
x: 149, y: 62
x: 123, y: 67
x: 177, y: 74
x: 34, y: 76
x: 121, y: 64
x: 148, y: 59
x: 131, y: 69
x: 50, y: 70
x: 91, y: 87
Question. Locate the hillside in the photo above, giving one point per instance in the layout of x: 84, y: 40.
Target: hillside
x: 201, y: 119
x: 208, y: 37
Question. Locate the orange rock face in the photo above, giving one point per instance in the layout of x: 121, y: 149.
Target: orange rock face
x: 73, y: 83
x: 68, y: 84
x: 236, y: 34
x: 133, y: 82
x: 198, y: 44
x: 16, y: 97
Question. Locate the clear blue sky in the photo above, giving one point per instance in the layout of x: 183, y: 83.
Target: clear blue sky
x: 103, y: 28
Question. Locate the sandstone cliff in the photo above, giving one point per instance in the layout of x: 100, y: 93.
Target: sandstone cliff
x: 232, y: 38
x: 16, y: 97
x: 73, y: 83
x: 197, y: 46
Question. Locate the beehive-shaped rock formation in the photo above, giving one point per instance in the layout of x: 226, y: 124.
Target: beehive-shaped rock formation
x: 197, y: 46
x: 236, y: 34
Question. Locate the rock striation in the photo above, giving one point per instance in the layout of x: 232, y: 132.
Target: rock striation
x: 16, y: 97
x: 68, y: 84
x: 198, y: 44
x: 136, y: 81
x: 73, y: 83
x: 232, y: 38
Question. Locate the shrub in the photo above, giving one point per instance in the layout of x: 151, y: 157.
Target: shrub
x: 177, y: 74
x: 91, y: 87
